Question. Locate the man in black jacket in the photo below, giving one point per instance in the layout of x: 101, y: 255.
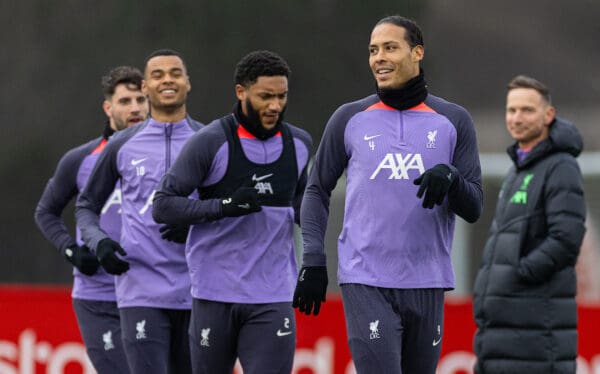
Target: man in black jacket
x: 524, y: 297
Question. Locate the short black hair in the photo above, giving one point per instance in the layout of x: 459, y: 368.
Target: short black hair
x: 260, y: 64
x: 164, y: 52
x: 121, y: 75
x: 413, y: 35
x: 524, y: 81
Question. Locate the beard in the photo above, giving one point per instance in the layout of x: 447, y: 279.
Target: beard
x: 253, y: 124
x: 120, y: 124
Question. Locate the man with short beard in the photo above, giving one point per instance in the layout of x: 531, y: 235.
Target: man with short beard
x: 152, y: 283
x: 249, y: 169
x: 94, y: 299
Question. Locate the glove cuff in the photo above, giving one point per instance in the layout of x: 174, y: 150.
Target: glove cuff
x: 70, y: 252
x: 105, y: 247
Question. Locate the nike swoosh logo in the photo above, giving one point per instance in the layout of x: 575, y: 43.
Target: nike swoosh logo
x: 244, y: 206
x: 135, y: 162
x: 371, y: 137
x: 283, y: 333
x: 263, y: 177
x: 436, y: 342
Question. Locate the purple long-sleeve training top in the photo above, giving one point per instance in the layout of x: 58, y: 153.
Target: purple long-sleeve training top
x: 138, y: 157
x: 248, y: 259
x: 70, y: 177
x: 388, y: 239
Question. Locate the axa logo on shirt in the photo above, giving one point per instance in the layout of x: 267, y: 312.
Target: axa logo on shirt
x: 397, y: 165
x: 261, y: 186
x: 117, y: 198
x: 148, y: 203
x: 114, y: 199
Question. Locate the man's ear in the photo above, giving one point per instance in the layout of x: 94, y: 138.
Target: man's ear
x: 240, y: 92
x: 417, y: 53
x: 106, y: 106
x: 549, y: 115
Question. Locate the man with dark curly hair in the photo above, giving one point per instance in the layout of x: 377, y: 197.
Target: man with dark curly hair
x: 249, y: 169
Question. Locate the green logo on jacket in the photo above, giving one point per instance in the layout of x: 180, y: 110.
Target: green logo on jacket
x: 520, y: 196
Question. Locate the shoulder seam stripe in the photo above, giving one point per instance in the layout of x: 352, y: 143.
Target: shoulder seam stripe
x: 422, y: 107
x: 99, y: 147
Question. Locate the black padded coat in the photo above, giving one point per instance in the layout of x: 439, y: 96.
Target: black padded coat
x: 524, y: 294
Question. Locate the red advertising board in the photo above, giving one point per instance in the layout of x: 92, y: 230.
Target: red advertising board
x: 38, y: 334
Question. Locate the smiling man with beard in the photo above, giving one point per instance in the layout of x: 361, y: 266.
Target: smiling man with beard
x: 93, y: 293
x: 249, y: 169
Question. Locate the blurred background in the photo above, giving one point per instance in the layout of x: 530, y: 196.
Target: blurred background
x: 55, y: 52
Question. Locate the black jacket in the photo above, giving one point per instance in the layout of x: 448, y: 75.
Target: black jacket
x: 524, y: 296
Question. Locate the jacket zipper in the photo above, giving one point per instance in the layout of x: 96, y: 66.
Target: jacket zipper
x: 168, y: 132
x: 401, y: 115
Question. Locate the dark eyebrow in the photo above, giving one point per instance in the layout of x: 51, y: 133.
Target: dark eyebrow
x: 270, y: 94
x: 385, y: 43
x: 159, y: 70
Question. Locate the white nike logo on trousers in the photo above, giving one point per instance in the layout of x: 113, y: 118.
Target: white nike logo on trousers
x: 283, y: 333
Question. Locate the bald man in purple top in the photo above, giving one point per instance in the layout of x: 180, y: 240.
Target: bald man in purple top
x: 397, y: 146
x: 152, y: 283
x: 93, y: 292
x: 249, y: 169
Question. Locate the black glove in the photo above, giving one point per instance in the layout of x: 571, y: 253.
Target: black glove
x: 311, y: 289
x: 108, y: 259
x: 82, y: 258
x: 174, y: 233
x: 243, y: 201
x: 437, y: 181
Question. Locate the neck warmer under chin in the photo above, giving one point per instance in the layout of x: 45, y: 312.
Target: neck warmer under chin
x: 108, y: 131
x: 411, y: 94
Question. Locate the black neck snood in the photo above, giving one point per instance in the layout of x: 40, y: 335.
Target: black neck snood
x: 108, y: 131
x: 411, y: 94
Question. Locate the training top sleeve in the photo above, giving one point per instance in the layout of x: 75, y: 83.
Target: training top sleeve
x: 306, y: 140
x: 98, y: 188
x: 60, y: 189
x: 466, y: 198
x: 329, y: 164
x: 171, y: 203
